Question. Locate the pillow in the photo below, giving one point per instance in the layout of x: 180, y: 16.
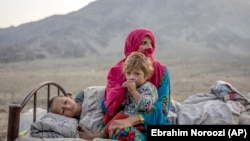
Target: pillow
x: 26, y: 119
x: 55, y: 126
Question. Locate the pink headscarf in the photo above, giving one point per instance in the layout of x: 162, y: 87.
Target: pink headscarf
x: 115, y: 93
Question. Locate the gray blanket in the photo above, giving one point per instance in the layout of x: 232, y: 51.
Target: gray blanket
x: 91, y: 113
x: 223, y: 105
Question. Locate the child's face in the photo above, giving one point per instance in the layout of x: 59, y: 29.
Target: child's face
x: 65, y: 106
x: 137, y: 76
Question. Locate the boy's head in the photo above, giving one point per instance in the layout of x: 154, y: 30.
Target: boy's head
x: 64, y: 105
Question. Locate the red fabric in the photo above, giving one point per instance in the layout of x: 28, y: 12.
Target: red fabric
x: 114, y: 92
x: 119, y: 115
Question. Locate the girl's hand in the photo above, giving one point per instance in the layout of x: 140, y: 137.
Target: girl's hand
x: 130, y: 85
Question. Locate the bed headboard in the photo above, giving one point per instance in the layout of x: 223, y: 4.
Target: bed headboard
x: 15, y: 109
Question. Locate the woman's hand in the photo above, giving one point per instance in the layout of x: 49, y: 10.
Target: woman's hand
x: 117, y: 125
x: 86, y: 134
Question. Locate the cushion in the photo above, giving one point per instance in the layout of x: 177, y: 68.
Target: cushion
x: 55, y: 126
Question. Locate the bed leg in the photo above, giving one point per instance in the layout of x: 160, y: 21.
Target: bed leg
x: 13, y: 122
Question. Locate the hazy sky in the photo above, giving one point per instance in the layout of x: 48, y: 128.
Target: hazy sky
x: 16, y: 12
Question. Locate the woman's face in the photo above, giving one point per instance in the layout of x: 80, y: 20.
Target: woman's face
x: 146, y: 43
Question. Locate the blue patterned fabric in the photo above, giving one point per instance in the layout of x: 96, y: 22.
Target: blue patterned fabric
x: 226, y: 91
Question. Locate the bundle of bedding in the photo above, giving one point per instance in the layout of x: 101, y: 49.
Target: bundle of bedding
x: 224, y: 104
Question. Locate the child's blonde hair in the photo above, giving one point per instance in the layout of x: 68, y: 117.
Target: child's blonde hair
x: 137, y: 60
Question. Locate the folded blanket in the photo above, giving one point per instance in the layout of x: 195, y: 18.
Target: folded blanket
x: 55, y: 126
x: 206, y: 108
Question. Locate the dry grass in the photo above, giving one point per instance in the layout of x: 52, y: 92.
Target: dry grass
x: 189, y: 75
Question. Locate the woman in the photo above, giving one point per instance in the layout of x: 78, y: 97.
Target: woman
x: 143, y: 40
x: 141, y: 94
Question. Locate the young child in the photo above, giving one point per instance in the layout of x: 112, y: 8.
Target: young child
x: 65, y: 105
x: 141, y: 94
x: 86, y: 107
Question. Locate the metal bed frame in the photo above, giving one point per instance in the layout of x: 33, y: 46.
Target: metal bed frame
x: 15, y: 109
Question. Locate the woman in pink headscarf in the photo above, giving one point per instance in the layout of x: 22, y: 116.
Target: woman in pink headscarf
x: 142, y: 40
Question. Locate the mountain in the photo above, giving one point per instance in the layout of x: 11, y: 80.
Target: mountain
x: 100, y: 28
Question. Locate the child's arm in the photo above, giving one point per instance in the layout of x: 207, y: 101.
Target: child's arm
x: 148, y: 96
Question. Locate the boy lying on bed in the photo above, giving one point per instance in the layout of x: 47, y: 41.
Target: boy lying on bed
x: 84, y: 109
x: 65, y: 105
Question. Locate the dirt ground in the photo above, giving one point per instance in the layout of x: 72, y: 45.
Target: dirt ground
x: 3, y: 124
